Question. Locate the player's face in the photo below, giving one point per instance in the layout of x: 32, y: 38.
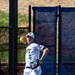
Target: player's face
x: 29, y: 39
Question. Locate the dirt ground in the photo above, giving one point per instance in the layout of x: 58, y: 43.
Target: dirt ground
x: 23, y: 4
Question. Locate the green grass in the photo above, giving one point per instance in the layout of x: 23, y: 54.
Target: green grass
x: 4, y: 19
x: 4, y: 33
x: 4, y: 45
x: 4, y: 52
x: 22, y: 19
x: 21, y: 55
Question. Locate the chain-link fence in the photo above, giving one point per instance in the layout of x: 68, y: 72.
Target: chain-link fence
x: 67, y: 41
x: 45, y: 19
x: 4, y: 49
x: 45, y: 28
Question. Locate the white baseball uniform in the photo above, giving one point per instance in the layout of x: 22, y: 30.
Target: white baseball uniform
x: 32, y: 53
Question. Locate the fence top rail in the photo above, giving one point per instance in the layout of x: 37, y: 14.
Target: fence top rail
x: 13, y: 27
x: 5, y: 26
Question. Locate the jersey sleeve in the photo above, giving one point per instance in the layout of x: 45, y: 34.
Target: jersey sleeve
x: 41, y: 47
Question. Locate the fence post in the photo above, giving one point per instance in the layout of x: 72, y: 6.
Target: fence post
x: 29, y: 18
x: 59, y: 53
x: 13, y: 5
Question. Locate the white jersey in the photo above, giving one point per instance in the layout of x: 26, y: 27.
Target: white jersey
x: 33, y: 52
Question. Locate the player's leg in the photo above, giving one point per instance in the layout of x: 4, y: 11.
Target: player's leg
x: 27, y: 71
x: 37, y: 71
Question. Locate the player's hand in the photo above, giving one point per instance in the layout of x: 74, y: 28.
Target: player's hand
x: 40, y: 61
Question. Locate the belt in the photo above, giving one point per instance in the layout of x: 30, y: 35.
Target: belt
x: 28, y: 67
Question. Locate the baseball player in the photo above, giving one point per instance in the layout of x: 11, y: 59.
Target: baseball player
x: 32, y: 58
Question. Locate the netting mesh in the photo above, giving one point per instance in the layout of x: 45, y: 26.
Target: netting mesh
x: 44, y: 28
x: 67, y: 41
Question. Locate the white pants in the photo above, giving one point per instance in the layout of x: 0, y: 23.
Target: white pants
x: 28, y: 71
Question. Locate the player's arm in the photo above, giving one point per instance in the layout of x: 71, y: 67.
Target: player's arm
x: 45, y: 52
x: 37, y: 62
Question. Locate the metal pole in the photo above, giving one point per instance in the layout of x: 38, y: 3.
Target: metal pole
x: 13, y: 12
x: 59, y: 41
x: 33, y: 19
x: 29, y: 18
